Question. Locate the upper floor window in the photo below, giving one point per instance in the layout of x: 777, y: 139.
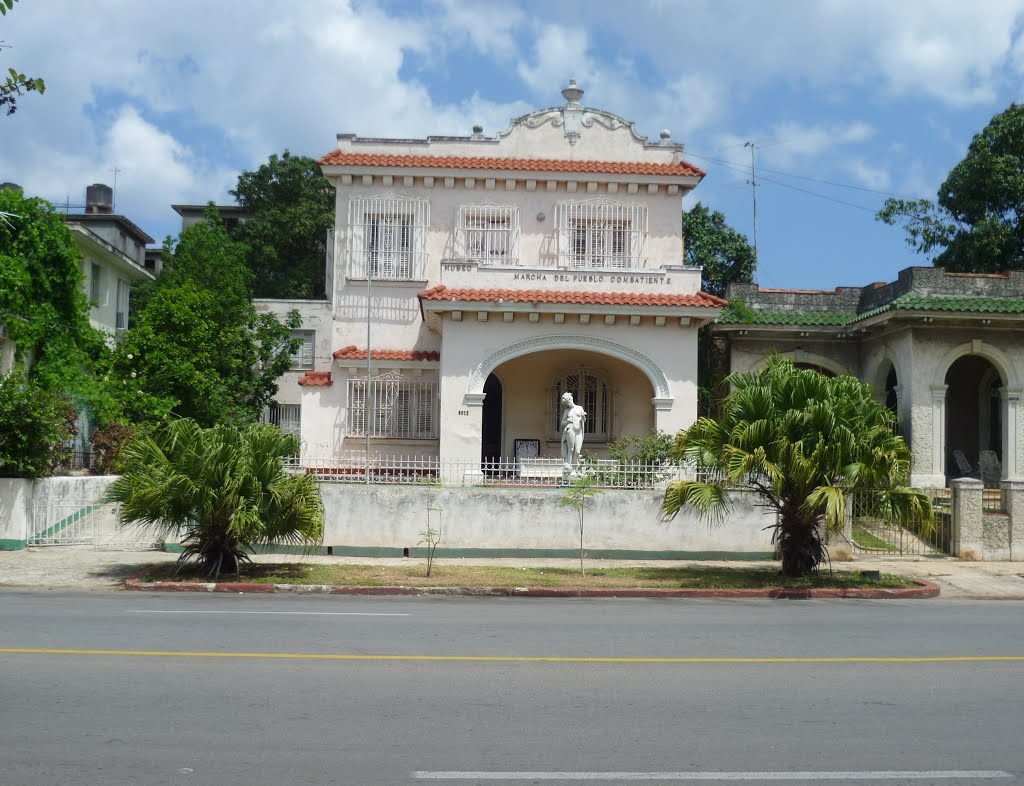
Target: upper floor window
x: 600, y: 233
x: 97, y: 285
x: 393, y: 406
x: 387, y: 237
x: 488, y: 234
x: 121, y: 314
x: 304, y: 355
x: 590, y: 390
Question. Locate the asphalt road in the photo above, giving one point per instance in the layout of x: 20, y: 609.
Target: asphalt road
x: 464, y: 690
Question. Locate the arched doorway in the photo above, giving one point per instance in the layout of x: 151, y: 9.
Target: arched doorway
x: 815, y: 367
x: 891, y: 382
x: 490, y: 443
x: 617, y: 396
x: 974, y: 418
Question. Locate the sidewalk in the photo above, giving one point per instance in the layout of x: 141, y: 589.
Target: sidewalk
x: 87, y: 568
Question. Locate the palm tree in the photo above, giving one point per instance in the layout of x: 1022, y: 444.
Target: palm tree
x: 802, y: 441
x: 224, y: 488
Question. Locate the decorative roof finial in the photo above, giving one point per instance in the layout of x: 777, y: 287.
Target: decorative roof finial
x: 572, y: 94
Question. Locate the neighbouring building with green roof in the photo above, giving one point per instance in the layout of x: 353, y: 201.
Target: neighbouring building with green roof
x: 944, y: 350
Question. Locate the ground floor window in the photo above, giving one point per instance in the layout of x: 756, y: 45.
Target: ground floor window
x: 590, y: 390
x: 287, y: 417
x: 393, y: 405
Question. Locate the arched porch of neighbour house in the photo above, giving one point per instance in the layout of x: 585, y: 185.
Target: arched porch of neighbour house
x: 973, y: 427
x: 808, y: 360
x: 975, y: 408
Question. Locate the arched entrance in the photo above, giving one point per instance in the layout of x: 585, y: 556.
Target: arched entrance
x: 617, y: 396
x: 891, y: 383
x: 815, y: 367
x: 974, y: 419
x: 490, y: 443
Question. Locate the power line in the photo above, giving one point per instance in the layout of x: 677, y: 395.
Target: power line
x: 800, y: 177
x: 816, y: 194
x: 745, y: 170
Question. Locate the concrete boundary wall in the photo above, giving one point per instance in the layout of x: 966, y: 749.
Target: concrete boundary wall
x: 62, y: 501
x: 381, y: 520
x: 475, y: 521
x: 15, y: 512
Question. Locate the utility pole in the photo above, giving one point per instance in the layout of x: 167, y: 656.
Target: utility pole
x: 368, y: 392
x: 753, y: 192
x: 113, y: 199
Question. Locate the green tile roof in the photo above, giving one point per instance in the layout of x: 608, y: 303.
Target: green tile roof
x: 809, y: 318
x: 984, y: 305
x: 910, y: 301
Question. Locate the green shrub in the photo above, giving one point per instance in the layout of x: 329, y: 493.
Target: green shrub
x: 36, y: 428
x: 107, y: 444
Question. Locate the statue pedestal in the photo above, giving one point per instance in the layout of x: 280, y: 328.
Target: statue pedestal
x: 473, y: 477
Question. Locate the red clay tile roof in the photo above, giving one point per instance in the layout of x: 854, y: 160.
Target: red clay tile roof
x: 700, y: 300
x: 352, y: 352
x: 341, y: 158
x: 315, y: 378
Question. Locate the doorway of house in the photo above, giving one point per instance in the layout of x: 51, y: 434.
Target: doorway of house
x: 974, y: 419
x: 490, y: 448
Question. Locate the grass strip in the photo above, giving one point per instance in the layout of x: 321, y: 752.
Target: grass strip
x: 454, y: 575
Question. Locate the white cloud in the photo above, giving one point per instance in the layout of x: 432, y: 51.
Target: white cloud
x: 489, y: 27
x: 786, y: 145
x: 694, y: 100
x: 948, y: 50
x: 559, y: 53
x: 177, y: 94
x: 792, y: 142
x: 869, y: 176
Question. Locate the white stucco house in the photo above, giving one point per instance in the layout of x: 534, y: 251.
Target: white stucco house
x: 475, y: 279
x: 113, y: 258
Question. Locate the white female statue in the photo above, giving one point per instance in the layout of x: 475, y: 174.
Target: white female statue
x: 573, y: 416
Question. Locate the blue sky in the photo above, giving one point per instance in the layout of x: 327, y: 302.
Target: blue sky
x: 849, y: 100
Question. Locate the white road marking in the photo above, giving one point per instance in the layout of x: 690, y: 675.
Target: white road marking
x: 870, y: 775
x: 232, y: 611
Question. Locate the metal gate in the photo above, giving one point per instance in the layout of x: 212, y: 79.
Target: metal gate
x: 77, y: 521
x: 871, y: 534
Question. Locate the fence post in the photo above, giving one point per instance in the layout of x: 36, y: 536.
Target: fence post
x: 1013, y: 504
x: 968, y: 518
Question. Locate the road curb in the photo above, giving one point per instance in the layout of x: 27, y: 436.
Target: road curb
x: 924, y: 589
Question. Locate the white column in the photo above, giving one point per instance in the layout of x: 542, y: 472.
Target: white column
x: 935, y: 475
x: 663, y: 417
x: 939, y: 429
x: 1011, y: 430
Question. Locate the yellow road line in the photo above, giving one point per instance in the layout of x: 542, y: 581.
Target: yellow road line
x: 504, y: 658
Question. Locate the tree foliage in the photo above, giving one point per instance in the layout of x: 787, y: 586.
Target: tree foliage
x: 43, y: 305
x: 15, y: 83
x: 803, y: 441
x: 725, y: 255
x: 198, y: 348
x: 224, y: 489
x: 290, y: 208
x: 977, y: 224
x: 36, y: 428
